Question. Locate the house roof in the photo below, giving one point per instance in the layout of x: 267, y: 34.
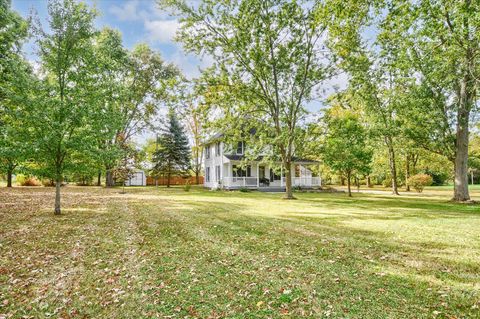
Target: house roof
x: 236, y: 157
x: 214, y: 138
x: 219, y: 136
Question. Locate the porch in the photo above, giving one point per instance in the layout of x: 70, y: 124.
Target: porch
x: 234, y: 175
x: 257, y: 183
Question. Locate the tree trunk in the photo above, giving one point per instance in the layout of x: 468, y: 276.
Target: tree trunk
x: 461, y: 193
x: 197, y: 168
x: 393, y: 165
x: 168, y: 179
x: 407, y: 172
x: 58, y: 183
x: 342, y: 180
x: 109, y: 182
x: 288, y: 180
x: 415, y: 161
x: 349, y: 184
x: 99, y: 180
x: 9, y: 177
x: 368, y: 182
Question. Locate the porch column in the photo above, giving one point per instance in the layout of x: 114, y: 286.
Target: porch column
x: 258, y: 176
x: 319, y: 176
x: 230, y: 175
x: 222, y: 174
x: 281, y: 176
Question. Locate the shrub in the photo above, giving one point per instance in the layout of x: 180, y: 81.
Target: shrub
x: 439, y: 178
x: 387, y: 182
x: 48, y: 182
x: 29, y: 181
x: 419, y: 181
x: 244, y: 190
x: 187, y: 186
x: 20, y: 178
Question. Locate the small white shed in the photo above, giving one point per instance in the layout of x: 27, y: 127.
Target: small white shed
x: 138, y: 178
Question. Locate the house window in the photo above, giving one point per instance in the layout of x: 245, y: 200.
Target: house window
x: 240, y: 148
x: 217, y: 173
x: 217, y: 149
x: 207, y: 151
x: 239, y: 171
x: 274, y: 176
x: 207, y: 174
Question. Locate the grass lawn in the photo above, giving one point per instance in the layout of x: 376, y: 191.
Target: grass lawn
x: 158, y: 253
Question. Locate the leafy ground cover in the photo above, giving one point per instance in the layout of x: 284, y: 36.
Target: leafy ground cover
x: 158, y: 253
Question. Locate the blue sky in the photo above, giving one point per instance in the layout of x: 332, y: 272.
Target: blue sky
x: 140, y: 21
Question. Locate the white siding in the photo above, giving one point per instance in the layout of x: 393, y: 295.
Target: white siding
x: 212, y: 162
x: 217, y: 161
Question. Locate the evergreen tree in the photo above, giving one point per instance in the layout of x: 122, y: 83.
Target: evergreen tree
x: 173, y: 154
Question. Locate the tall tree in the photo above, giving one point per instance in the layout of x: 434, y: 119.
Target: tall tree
x: 268, y: 58
x: 190, y: 105
x: 110, y: 68
x: 14, y: 88
x: 173, y: 154
x: 438, y: 42
x: 130, y: 86
x: 374, y: 79
x: 62, y: 114
x: 345, y: 148
x: 144, y: 85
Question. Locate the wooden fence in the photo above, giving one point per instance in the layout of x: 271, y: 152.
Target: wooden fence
x: 174, y: 180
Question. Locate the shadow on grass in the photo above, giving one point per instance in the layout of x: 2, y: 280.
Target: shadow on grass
x: 417, y: 207
x: 432, y: 261
x: 346, y: 267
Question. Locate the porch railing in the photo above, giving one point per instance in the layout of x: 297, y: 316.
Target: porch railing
x: 229, y: 182
x: 306, y: 181
x: 240, y: 182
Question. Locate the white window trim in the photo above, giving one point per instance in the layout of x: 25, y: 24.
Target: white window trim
x: 207, y: 174
x: 207, y: 152
x: 243, y: 148
x: 218, y: 149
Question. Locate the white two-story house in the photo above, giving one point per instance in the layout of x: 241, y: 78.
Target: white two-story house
x: 225, y: 168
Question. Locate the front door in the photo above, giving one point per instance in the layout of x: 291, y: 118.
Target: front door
x: 261, y: 172
x: 261, y: 176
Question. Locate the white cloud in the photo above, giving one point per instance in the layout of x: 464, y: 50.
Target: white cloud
x: 133, y: 10
x: 162, y: 31
x: 126, y: 12
x: 159, y: 30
